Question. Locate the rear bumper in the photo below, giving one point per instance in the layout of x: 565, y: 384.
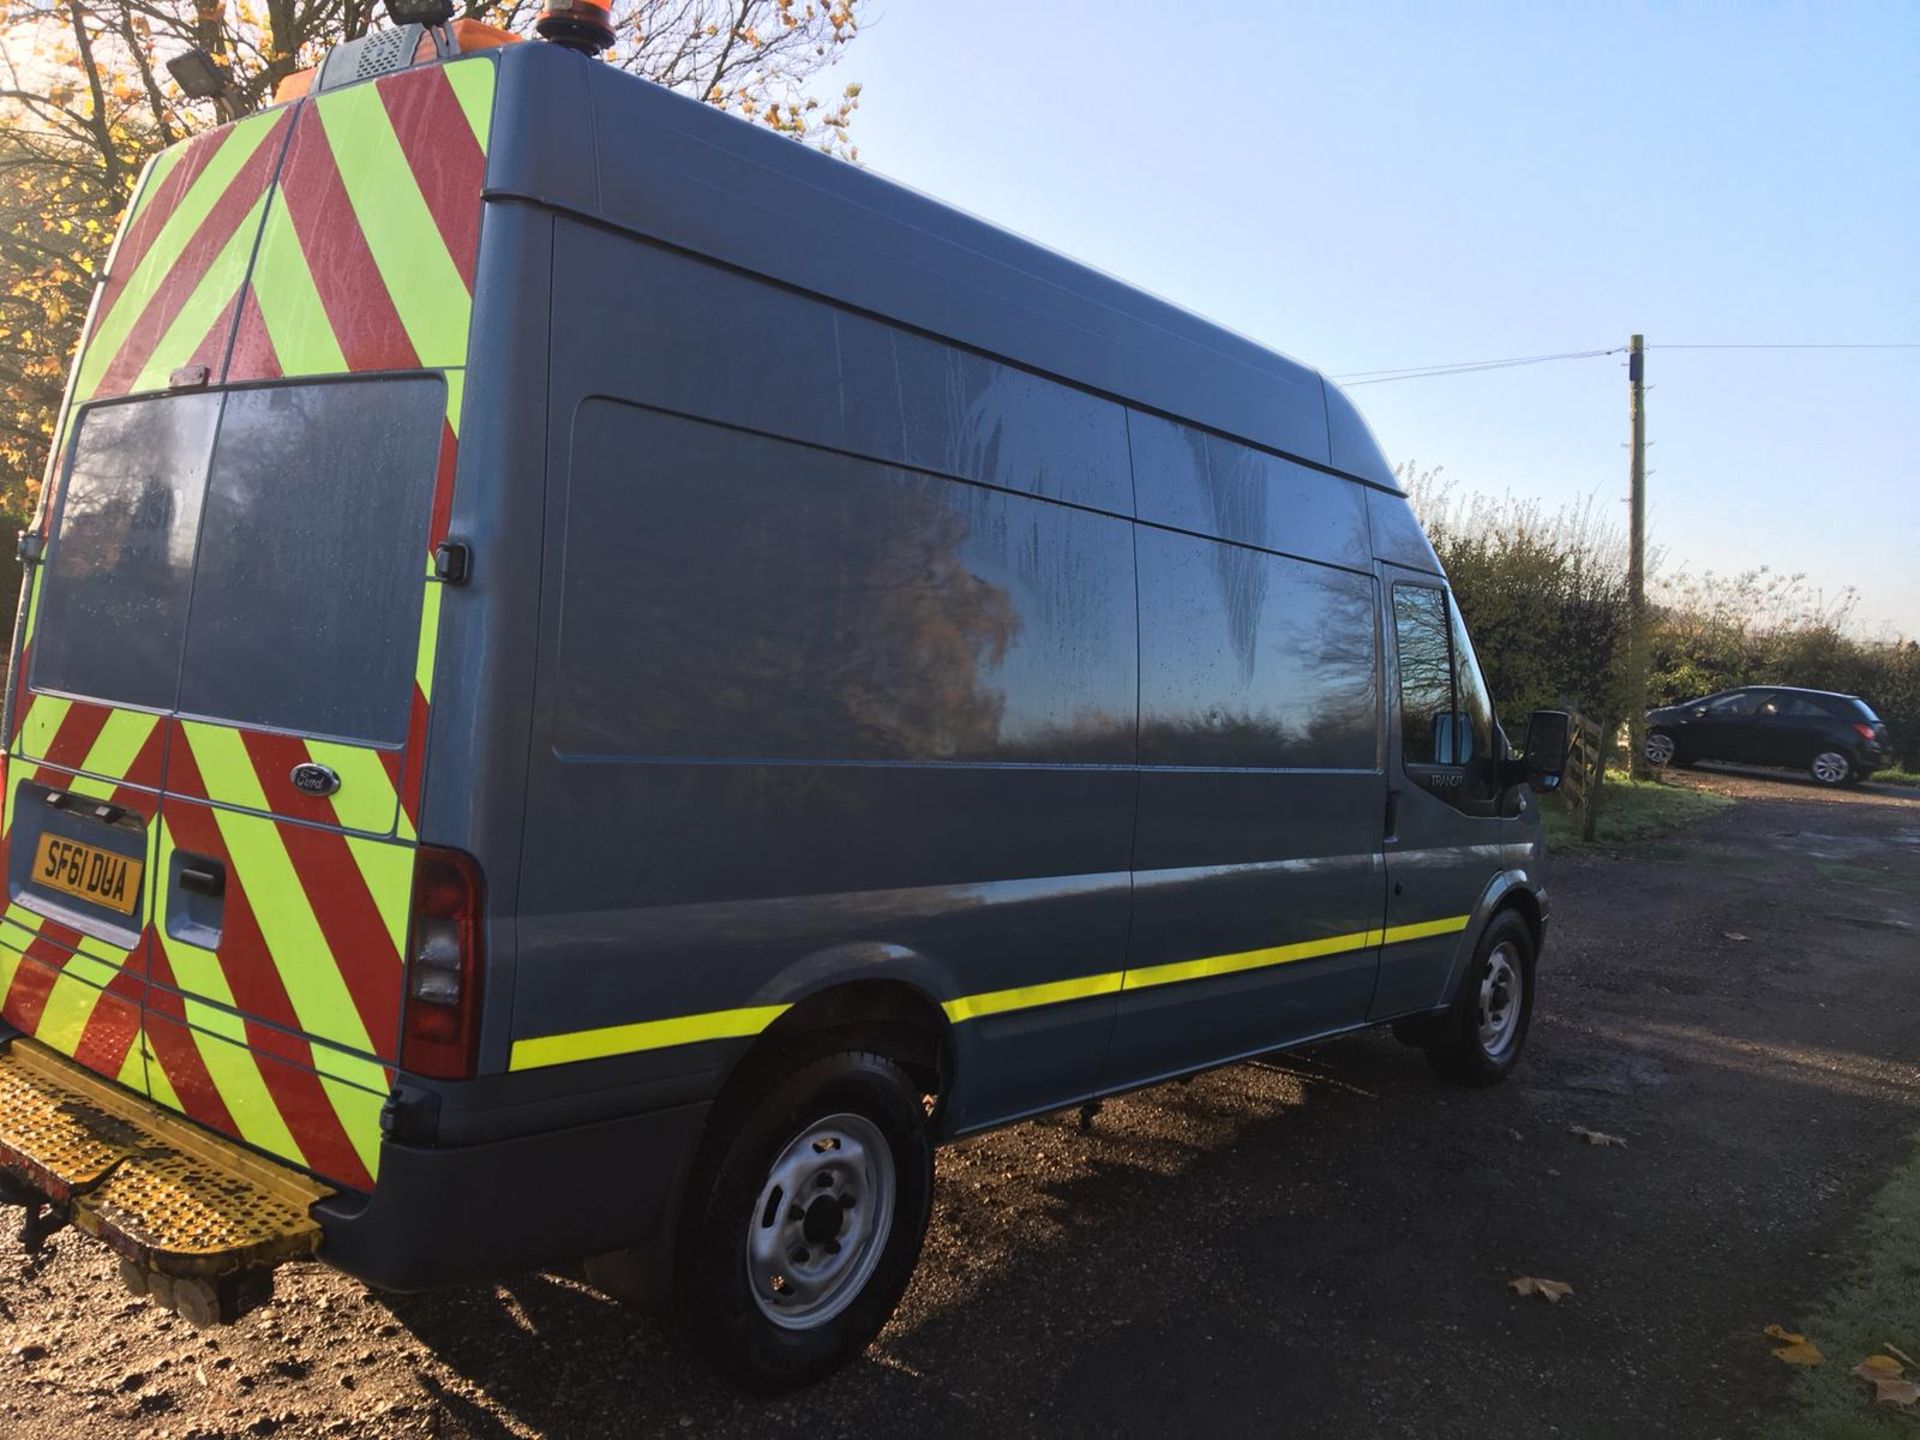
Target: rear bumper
x: 490, y: 1211
x: 181, y: 1204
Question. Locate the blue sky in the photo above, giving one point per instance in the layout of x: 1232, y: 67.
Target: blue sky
x: 1367, y: 186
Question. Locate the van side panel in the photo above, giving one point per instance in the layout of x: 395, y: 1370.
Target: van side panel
x: 833, y: 686
x: 1257, y: 868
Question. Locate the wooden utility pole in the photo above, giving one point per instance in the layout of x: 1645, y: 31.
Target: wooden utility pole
x: 1637, y: 558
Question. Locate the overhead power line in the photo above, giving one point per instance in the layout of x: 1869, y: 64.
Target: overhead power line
x: 1471, y: 367
x: 1465, y: 367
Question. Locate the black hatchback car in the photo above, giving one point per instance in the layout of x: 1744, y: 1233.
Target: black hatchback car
x: 1837, y: 739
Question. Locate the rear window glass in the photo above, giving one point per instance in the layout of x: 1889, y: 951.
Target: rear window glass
x: 1865, y: 712
x: 114, y: 597
x: 307, y: 507
x: 306, y: 604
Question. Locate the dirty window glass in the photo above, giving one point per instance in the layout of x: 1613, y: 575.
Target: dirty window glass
x: 306, y: 603
x: 114, y: 599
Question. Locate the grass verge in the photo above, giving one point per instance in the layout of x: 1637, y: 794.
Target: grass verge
x: 1631, y: 813
x: 1897, y: 776
x: 1877, y: 1304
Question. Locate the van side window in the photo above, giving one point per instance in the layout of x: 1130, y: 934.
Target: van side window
x: 1446, y: 713
x: 1428, y: 734
x: 1475, y: 707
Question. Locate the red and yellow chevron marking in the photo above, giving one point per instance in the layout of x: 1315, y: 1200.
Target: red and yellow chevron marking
x: 336, y: 235
x: 367, y: 256
x: 173, y: 282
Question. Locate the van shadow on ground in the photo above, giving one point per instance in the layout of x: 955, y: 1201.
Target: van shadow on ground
x: 1321, y: 1245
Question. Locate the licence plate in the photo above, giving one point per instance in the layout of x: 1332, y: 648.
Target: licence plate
x: 88, y: 872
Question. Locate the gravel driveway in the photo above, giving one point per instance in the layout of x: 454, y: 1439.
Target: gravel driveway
x: 1318, y: 1245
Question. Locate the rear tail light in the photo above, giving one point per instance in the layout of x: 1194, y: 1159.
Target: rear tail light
x: 441, y: 1038
x: 1865, y: 731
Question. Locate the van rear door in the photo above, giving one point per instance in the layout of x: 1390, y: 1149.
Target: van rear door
x: 284, y: 531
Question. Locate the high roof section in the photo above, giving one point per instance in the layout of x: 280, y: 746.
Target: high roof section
x: 588, y: 138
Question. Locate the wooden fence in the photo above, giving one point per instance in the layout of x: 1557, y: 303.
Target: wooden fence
x: 1586, y: 762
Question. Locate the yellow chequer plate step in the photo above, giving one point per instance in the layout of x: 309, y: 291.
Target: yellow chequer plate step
x: 173, y: 1199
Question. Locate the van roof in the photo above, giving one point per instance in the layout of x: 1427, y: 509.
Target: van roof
x: 587, y: 138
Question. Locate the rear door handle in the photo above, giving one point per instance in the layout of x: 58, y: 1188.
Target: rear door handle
x: 203, y: 876
x: 1393, y: 815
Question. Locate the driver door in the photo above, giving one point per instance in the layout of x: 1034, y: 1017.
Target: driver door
x: 1444, y: 823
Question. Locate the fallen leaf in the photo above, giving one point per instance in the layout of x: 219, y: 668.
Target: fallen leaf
x: 1804, y: 1353
x: 1552, y: 1291
x: 1595, y: 1137
x: 1878, y: 1365
x: 1733, y: 934
x: 1776, y: 1332
x: 1892, y: 1390
x: 1897, y: 1353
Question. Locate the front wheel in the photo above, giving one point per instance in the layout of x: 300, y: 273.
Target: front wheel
x: 805, y: 1219
x: 1830, y: 768
x: 1480, y: 1039
x: 1660, y: 749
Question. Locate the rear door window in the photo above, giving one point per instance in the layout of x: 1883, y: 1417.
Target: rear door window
x: 256, y: 557
x: 120, y: 564
x: 306, y: 605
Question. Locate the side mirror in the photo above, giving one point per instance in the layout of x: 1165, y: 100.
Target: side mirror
x: 1699, y: 711
x: 1543, y: 759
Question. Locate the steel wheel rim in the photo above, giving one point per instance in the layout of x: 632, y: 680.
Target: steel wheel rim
x: 821, y: 1224
x: 1830, y: 767
x: 1659, y: 749
x: 1502, y: 989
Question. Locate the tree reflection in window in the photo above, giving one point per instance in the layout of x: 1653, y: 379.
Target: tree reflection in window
x: 1427, y: 711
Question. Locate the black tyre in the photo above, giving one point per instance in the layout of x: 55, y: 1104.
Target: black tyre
x: 804, y: 1218
x: 1831, y: 768
x: 1661, y: 749
x: 1480, y: 1039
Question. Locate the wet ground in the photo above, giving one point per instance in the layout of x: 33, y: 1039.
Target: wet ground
x: 1319, y: 1245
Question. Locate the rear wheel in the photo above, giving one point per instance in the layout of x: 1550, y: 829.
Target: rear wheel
x: 805, y: 1218
x: 1480, y: 1039
x: 1830, y: 768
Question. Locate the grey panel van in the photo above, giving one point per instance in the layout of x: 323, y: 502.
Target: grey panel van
x: 608, y: 723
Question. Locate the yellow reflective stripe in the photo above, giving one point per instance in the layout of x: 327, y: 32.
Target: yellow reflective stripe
x: 429, y: 636
x: 216, y: 288
x: 1425, y: 928
x: 159, y: 1087
x: 1026, y: 997
x: 414, y: 265
x: 195, y: 971
x: 69, y: 1006
x: 366, y: 798
x: 42, y: 723
x: 290, y: 305
x: 321, y: 1001
x: 119, y: 741
x: 236, y: 1076
x: 10, y: 959
x: 225, y: 767
x: 456, y: 395
x: 646, y: 1035
x: 175, y: 232
x: 735, y: 1024
x: 387, y: 871
x: 133, y: 1069
x: 1215, y: 965
x: 472, y: 83
x: 359, y: 1112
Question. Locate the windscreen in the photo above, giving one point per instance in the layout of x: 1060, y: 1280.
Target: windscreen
x: 255, y: 557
